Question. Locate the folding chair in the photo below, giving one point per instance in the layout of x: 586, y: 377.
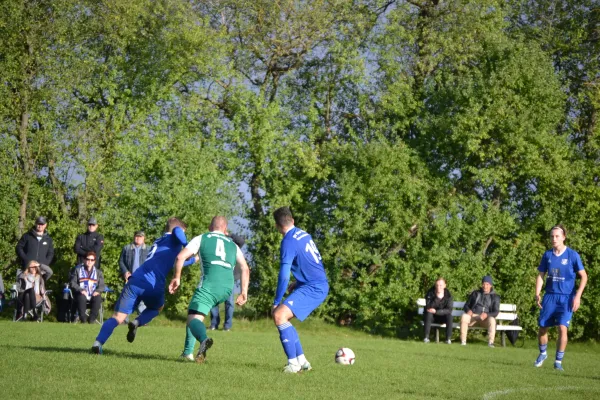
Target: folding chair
x: 73, y: 313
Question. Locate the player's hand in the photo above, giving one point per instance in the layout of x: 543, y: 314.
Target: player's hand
x: 431, y: 310
x: 538, y: 301
x: 483, y: 316
x: 127, y: 275
x: 576, y: 303
x: 241, y: 299
x: 197, y: 258
x: 174, y: 285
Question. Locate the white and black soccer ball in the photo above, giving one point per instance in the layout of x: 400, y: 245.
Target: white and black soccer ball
x: 345, y: 356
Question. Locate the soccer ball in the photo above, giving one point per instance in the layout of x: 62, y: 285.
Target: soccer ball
x: 345, y: 356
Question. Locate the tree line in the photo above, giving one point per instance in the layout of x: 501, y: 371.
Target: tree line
x: 412, y: 138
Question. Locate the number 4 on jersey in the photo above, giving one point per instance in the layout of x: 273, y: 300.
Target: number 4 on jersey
x: 312, y: 248
x: 220, y: 250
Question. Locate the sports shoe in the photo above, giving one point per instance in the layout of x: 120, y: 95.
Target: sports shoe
x: 463, y: 343
x: 133, y: 325
x: 448, y: 342
x: 213, y: 328
x: 97, y: 347
x: 540, y: 360
x: 204, y: 346
x: 292, y: 369
x: 558, y: 366
x: 186, y: 357
x: 306, y: 367
x: 426, y: 340
x: 227, y: 330
x: 490, y: 344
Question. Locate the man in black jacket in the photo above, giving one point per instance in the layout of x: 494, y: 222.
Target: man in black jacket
x: 482, y: 308
x: 438, y: 309
x: 36, y: 244
x: 89, y: 241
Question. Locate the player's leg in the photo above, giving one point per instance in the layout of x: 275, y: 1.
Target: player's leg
x: 546, y: 319
x: 200, y: 304
x: 123, y: 308
x: 561, y: 345
x: 154, y: 301
x: 288, y: 337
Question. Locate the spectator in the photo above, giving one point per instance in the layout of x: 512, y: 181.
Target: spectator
x: 87, y: 284
x: 30, y: 287
x: 438, y: 309
x: 215, y: 318
x: 36, y: 245
x: 89, y: 241
x: 132, y: 257
x: 481, y: 308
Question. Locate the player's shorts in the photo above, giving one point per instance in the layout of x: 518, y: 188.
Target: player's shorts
x: 305, y: 298
x: 139, y: 290
x: 557, y: 309
x: 205, y: 298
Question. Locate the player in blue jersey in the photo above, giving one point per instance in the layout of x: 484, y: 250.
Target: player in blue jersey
x: 561, y: 300
x: 147, y: 284
x: 298, y: 254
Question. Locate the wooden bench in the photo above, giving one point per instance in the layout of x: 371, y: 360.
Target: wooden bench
x: 508, y: 313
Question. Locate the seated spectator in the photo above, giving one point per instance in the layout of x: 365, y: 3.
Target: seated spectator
x: 30, y: 288
x: 481, y: 309
x: 87, y: 285
x: 438, y: 309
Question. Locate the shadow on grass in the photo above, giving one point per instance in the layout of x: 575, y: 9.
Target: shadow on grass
x: 111, y: 353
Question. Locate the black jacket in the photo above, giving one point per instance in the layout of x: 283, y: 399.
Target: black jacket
x: 442, y: 306
x: 480, y: 302
x: 30, y: 248
x: 127, y: 257
x: 89, y: 241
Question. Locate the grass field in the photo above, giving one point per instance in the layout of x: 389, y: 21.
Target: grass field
x: 53, y: 360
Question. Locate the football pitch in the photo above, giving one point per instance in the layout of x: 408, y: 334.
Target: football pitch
x: 53, y: 361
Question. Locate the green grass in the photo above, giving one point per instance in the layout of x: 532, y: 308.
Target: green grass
x: 52, y: 360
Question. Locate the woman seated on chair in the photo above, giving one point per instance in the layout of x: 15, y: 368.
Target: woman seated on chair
x: 87, y: 285
x: 31, y: 290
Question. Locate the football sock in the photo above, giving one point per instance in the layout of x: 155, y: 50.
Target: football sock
x: 288, y: 337
x: 190, y: 342
x: 146, y: 316
x: 300, y: 353
x: 543, y: 348
x: 198, y: 329
x: 107, y: 329
x: 559, y: 356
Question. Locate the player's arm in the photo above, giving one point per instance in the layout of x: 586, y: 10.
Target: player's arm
x: 245, y: 277
x: 539, y: 282
x: 582, y: 282
x: 192, y: 248
x: 285, y: 266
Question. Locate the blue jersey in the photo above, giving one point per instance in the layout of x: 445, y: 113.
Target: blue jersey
x: 299, y: 254
x: 562, y: 271
x: 161, y: 258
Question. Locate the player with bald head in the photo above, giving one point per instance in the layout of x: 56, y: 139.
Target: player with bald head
x: 218, y: 256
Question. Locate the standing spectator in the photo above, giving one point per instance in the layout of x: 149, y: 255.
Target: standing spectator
x: 89, y: 241
x: 438, y: 308
x: 36, y: 244
x: 562, y: 265
x: 215, y: 318
x: 132, y: 257
x: 87, y: 284
x: 481, y: 308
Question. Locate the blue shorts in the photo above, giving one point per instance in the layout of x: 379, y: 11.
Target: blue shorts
x: 557, y: 309
x: 139, y: 290
x: 305, y: 299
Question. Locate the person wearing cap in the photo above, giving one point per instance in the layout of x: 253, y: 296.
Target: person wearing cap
x: 132, y: 257
x: 89, y: 241
x: 481, y: 309
x: 560, y: 268
x: 215, y: 318
x: 36, y: 245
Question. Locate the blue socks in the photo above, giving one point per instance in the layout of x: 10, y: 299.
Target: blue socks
x: 146, y: 316
x: 289, y: 338
x: 543, y: 348
x: 107, y: 329
x: 559, y: 356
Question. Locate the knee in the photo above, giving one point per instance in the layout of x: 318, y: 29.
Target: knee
x: 279, y: 317
x: 465, y: 318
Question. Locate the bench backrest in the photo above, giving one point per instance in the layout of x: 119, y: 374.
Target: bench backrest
x: 507, y: 311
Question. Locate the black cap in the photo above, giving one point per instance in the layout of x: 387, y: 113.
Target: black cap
x: 238, y: 239
x: 41, y: 220
x: 487, y: 279
x: 92, y: 221
x: 139, y: 233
